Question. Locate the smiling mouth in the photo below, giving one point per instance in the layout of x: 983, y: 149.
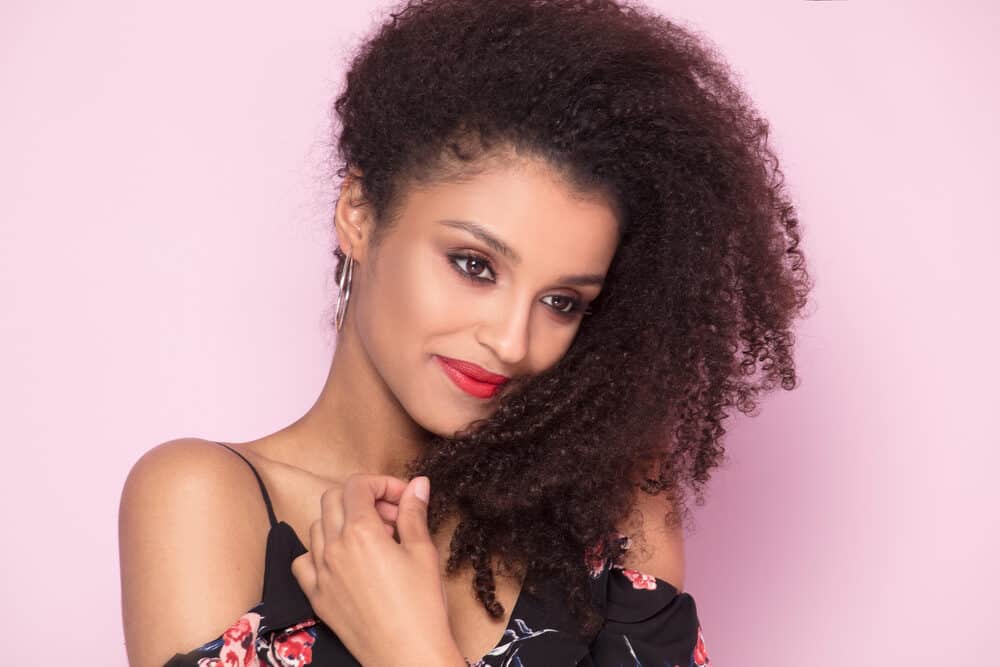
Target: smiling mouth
x: 466, y: 383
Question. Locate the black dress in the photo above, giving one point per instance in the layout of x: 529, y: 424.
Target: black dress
x: 647, y: 622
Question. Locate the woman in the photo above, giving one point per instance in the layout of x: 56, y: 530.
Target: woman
x: 564, y: 251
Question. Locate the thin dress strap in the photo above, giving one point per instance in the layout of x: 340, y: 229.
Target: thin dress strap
x: 263, y: 490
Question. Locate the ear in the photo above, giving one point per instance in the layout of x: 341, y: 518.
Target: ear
x: 353, y: 217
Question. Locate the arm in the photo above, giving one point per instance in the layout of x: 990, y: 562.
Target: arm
x: 647, y: 621
x: 661, y: 550
x: 191, y: 561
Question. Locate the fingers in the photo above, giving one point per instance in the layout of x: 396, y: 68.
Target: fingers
x: 388, y: 511
x: 412, y: 520
x: 361, y: 493
x: 305, y: 572
x: 317, y: 543
x: 331, y: 519
x: 385, y: 494
x: 371, y: 496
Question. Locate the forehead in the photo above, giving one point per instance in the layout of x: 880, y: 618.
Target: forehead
x: 525, y: 203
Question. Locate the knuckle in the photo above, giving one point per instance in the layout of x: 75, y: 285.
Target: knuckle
x: 331, y: 554
x: 362, y: 533
x: 332, y: 497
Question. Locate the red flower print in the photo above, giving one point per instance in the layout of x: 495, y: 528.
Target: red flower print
x: 304, y: 624
x: 237, y: 644
x: 293, y: 649
x: 640, y: 580
x: 700, y: 654
x: 594, y: 562
x: 597, y: 564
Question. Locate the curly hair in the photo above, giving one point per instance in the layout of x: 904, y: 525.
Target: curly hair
x: 694, y: 317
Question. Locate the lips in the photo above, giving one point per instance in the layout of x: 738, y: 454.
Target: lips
x: 469, y: 383
x: 477, y: 373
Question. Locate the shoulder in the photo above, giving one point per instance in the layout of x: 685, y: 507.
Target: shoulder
x: 185, y: 478
x: 656, y: 545
x: 185, y: 464
x: 190, y: 520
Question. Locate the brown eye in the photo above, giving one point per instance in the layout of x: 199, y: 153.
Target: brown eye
x: 564, y: 305
x: 473, y: 268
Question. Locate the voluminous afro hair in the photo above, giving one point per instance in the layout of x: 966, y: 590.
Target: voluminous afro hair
x: 694, y: 318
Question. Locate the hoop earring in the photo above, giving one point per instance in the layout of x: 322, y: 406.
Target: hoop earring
x: 345, y: 291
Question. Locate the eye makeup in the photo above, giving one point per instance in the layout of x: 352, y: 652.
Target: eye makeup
x: 457, y: 259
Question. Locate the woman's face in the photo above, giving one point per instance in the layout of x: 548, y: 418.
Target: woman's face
x: 495, y: 271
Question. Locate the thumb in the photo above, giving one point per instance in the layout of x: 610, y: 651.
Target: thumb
x: 412, y: 520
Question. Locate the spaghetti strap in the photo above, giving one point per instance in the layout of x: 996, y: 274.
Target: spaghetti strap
x: 263, y: 490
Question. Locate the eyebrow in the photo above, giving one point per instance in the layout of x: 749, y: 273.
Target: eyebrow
x: 484, y: 235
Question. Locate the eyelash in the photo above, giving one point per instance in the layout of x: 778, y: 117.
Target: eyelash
x: 576, y: 310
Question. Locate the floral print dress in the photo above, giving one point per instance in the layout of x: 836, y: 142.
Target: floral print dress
x: 647, y: 622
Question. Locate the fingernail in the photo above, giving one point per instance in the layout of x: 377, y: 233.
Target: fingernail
x: 422, y: 488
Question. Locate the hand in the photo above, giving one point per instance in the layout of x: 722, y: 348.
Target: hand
x: 383, y: 599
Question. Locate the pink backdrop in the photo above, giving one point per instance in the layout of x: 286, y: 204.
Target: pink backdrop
x: 164, y: 273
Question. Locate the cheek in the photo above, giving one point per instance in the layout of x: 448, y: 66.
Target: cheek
x: 412, y: 300
x: 437, y: 296
x: 418, y: 304
x: 550, y: 346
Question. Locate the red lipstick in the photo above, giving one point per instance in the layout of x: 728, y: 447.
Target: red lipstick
x: 470, y: 378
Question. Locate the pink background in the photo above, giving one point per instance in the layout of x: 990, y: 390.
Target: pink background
x: 164, y: 272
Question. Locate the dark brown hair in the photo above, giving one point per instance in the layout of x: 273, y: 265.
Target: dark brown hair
x: 694, y: 318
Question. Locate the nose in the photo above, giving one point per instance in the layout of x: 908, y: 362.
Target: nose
x: 505, y: 332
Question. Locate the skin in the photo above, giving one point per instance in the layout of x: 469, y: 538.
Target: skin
x: 384, y: 394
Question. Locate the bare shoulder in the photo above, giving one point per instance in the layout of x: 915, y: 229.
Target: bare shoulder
x: 180, y: 482
x: 187, y: 461
x: 190, y: 520
x: 657, y: 546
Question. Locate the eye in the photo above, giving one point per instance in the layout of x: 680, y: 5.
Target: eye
x: 473, y: 267
x: 565, y: 306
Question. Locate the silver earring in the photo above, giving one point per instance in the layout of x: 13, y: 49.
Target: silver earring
x: 345, y: 291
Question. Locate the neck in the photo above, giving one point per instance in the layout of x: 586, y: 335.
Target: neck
x: 356, y: 424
